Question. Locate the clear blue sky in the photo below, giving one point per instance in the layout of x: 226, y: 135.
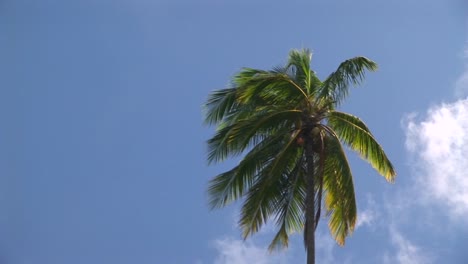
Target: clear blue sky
x: 102, y: 155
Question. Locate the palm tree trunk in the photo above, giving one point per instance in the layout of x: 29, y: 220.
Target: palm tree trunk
x: 309, y: 234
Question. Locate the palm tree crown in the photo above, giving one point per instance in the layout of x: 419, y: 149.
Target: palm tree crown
x: 285, y: 124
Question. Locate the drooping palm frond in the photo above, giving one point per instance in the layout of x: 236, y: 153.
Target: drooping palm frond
x: 320, y: 172
x: 231, y: 185
x: 339, y: 191
x: 354, y: 133
x: 289, y: 205
x: 352, y: 71
x: 261, y: 199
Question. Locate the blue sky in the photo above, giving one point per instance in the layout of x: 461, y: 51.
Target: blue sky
x: 102, y: 154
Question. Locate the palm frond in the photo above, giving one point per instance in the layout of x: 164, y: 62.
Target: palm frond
x: 289, y: 205
x: 281, y: 239
x: 246, y: 75
x: 261, y: 200
x: 231, y: 185
x: 354, y: 133
x: 315, y: 84
x: 299, y: 63
x: 319, y: 175
x: 339, y: 191
x: 352, y: 71
x: 234, y: 139
x: 219, y: 104
x: 271, y: 83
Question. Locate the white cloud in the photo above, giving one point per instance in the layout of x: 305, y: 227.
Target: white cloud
x: 439, y: 145
x: 407, y: 252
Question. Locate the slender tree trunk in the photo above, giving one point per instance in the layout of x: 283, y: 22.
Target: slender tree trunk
x: 310, y: 204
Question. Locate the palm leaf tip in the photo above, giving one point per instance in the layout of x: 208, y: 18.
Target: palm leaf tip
x: 280, y: 241
x: 300, y: 57
x: 390, y: 175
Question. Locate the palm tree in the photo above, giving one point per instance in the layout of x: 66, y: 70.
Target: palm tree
x: 285, y: 124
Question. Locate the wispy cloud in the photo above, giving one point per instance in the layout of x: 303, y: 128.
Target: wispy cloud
x: 461, y: 88
x: 235, y: 251
x: 324, y: 248
x: 406, y: 251
x: 368, y: 216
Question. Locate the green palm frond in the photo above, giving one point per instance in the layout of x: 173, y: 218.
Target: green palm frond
x: 281, y: 239
x: 261, y: 200
x: 352, y: 71
x: 270, y: 83
x: 289, y: 207
x: 320, y: 174
x: 339, y: 192
x: 299, y: 63
x: 231, y: 185
x: 353, y: 132
x: 234, y: 139
x: 219, y: 104
x: 315, y: 84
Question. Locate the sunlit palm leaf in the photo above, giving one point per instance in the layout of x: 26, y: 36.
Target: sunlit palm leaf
x: 339, y: 192
x: 353, y: 132
x: 335, y: 87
